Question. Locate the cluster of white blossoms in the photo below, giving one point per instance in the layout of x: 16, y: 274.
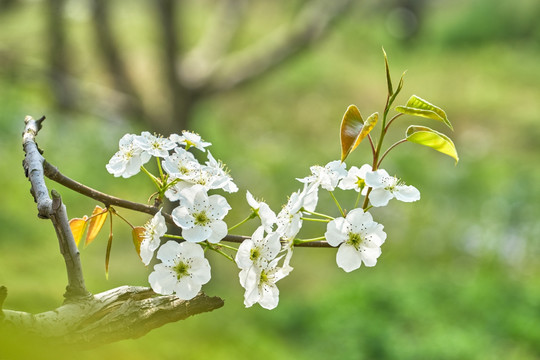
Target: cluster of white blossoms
x: 264, y: 257
x: 183, y: 268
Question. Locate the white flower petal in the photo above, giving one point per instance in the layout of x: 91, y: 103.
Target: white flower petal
x: 269, y: 296
x: 182, y: 217
x: 168, y: 252
x: 197, y: 233
x: 162, y: 280
x: 187, y: 288
x: 380, y: 197
x: 370, y: 255
x: 219, y: 231
x: 336, y: 231
x: 407, y: 193
x: 348, y: 258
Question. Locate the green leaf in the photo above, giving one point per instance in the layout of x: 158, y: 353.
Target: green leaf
x: 388, y: 79
x: 351, y: 126
x: 420, y: 107
x: 428, y: 137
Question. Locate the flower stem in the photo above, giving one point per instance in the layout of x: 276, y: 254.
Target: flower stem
x: 152, y: 177
x: 113, y: 211
x: 316, y: 220
x: 228, y: 247
x: 303, y: 241
x: 390, y: 148
x: 251, y: 216
x: 173, y: 237
x: 337, y: 203
x: 318, y: 214
x: 357, y: 199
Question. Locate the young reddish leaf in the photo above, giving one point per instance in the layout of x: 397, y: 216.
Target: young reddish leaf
x: 99, y: 215
x: 351, y: 126
x: 420, y: 107
x: 366, y: 129
x: 138, y: 235
x: 78, y: 226
x: 108, y: 254
x: 428, y: 137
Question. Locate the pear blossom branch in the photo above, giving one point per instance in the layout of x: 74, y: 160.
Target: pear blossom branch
x: 54, y: 174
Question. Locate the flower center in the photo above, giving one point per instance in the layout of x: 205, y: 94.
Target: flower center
x: 354, y: 239
x: 201, y: 218
x: 181, y: 270
x: 361, y: 183
x: 254, y: 254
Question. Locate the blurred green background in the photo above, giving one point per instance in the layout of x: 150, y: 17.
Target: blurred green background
x: 459, y: 273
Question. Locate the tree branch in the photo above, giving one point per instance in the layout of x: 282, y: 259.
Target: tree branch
x: 247, y: 64
x: 125, y: 312
x: 52, y: 209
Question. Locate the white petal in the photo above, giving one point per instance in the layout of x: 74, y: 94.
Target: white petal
x: 243, y: 254
x: 168, y: 252
x: 269, y: 297
x: 407, y: 193
x: 336, y: 231
x: 187, y: 288
x: 348, y: 258
x: 251, y: 201
x: 219, y: 207
x: 182, y: 217
x: 380, y: 197
x: 370, y: 255
x: 219, y: 231
x: 197, y: 233
x: 358, y: 217
x: 146, y: 252
x: 162, y: 280
x: 190, y: 251
x: 375, y: 178
x: 200, y: 270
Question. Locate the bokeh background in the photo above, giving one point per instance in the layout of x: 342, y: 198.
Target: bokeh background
x: 459, y: 273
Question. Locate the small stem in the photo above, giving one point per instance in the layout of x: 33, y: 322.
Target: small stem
x: 337, y: 203
x: 372, y: 145
x: 161, y: 176
x: 228, y: 247
x: 392, y: 120
x: 113, y: 211
x: 152, y: 177
x: 390, y: 148
x: 303, y: 241
x: 357, y: 199
x: 218, y: 250
x: 366, y: 200
x: 251, y: 216
x: 177, y: 237
x: 317, y: 214
x: 315, y: 220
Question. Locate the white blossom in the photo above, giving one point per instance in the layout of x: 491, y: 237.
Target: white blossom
x: 153, y: 231
x: 267, y: 216
x: 181, y: 164
x: 127, y: 161
x: 183, y: 270
x: 326, y: 177
x: 259, y: 250
x: 355, y: 179
x: 189, y: 139
x: 200, y: 216
x: 260, y: 284
x: 157, y: 146
x: 359, y: 239
x: 386, y: 187
x: 217, y: 170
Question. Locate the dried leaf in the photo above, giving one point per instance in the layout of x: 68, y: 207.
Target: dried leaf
x: 351, y: 126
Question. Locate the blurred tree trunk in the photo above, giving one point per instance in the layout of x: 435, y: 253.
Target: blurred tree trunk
x: 208, y: 68
x: 58, y: 59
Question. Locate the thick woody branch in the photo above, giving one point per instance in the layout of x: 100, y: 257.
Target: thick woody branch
x: 52, y: 209
x: 122, y: 313
x: 247, y: 64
